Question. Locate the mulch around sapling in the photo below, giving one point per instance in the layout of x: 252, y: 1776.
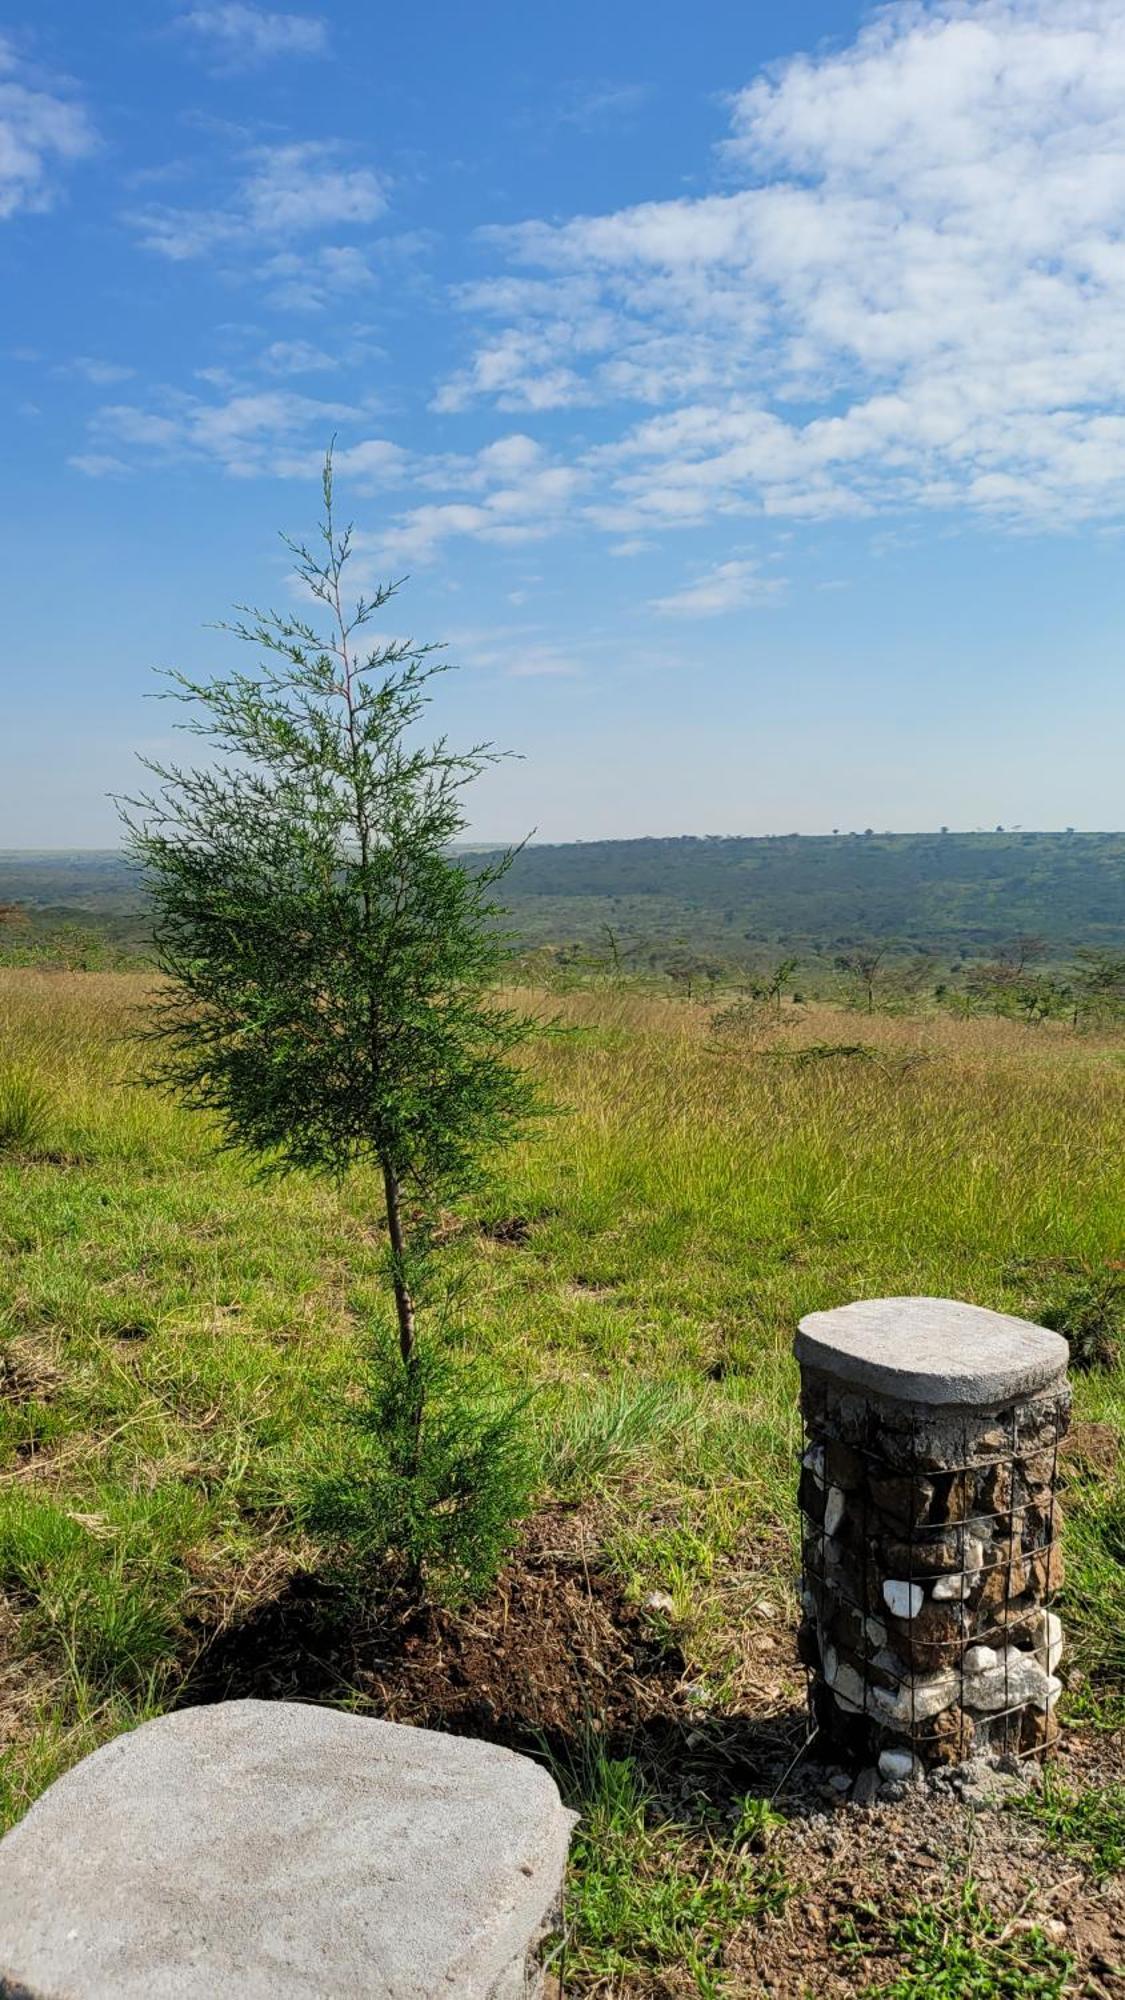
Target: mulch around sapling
x: 558, y: 1656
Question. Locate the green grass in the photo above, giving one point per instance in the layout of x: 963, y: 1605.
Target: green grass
x: 958, y: 1950
x: 1088, y: 1826
x: 646, y: 1896
x: 176, y: 1339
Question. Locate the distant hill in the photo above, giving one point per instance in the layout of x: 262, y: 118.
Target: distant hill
x: 954, y: 893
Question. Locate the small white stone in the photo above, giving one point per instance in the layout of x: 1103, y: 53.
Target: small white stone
x: 914, y: 1701
x: 658, y: 1600
x: 833, y: 1509
x: 903, y: 1600
x: 1050, y: 1650
x: 960, y: 1583
x: 876, y: 1631
x: 980, y: 1659
x: 897, y: 1765
x: 813, y: 1461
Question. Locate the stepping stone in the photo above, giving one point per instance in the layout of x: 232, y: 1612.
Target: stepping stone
x: 255, y: 1849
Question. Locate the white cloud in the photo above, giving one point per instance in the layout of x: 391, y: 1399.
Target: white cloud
x: 913, y: 298
x: 297, y: 357
x: 239, y: 35
x: 729, y: 586
x: 288, y: 191
x: 92, y: 369
x: 248, y: 434
x: 41, y: 128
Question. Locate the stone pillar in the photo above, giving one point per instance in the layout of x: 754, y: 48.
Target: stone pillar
x: 930, y: 1525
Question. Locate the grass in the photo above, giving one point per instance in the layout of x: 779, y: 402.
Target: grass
x: 1087, y: 1826
x: 957, y: 1950
x: 646, y: 1898
x: 176, y: 1338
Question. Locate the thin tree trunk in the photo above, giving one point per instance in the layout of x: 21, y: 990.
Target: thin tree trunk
x: 404, y: 1303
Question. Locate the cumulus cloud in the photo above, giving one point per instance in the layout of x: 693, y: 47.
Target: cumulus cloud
x: 286, y: 191
x: 238, y: 36
x: 42, y: 128
x: 729, y: 586
x: 909, y: 291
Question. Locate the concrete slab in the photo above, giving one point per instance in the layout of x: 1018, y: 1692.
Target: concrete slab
x: 937, y: 1351
x: 257, y: 1849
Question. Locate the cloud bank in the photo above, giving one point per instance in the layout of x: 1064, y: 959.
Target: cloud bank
x: 909, y: 292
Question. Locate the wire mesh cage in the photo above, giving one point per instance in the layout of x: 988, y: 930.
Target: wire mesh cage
x: 930, y: 1568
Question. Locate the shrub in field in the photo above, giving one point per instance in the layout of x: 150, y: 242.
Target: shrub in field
x: 329, y: 960
x: 25, y: 1113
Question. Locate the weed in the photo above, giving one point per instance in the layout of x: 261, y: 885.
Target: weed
x: 1091, y: 1314
x: 598, y: 1443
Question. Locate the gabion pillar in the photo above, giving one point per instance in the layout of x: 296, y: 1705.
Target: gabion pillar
x: 930, y: 1525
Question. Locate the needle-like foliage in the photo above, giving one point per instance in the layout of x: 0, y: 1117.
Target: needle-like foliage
x: 329, y: 962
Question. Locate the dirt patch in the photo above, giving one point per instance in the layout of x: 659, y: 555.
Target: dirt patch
x: 27, y: 1373
x: 555, y: 1651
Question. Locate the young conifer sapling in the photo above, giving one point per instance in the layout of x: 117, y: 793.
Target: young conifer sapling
x: 329, y: 962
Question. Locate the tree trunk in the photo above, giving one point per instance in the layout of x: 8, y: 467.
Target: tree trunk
x: 404, y: 1303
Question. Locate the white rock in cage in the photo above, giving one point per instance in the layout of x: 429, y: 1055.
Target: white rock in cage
x: 904, y: 1600
x: 813, y: 1461
x: 833, y: 1510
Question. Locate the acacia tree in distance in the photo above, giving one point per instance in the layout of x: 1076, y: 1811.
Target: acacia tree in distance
x: 327, y: 960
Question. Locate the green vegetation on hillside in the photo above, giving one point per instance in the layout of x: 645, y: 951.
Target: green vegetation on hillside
x: 640, y: 904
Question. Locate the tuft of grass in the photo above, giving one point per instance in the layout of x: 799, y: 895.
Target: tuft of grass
x: 101, y: 1590
x: 1089, y: 1825
x: 599, y: 1442
x: 25, y: 1113
x: 1090, y: 1312
x: 958, y: 1950
x: 646, y: 1897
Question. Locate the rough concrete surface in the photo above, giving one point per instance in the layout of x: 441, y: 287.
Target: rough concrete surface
x: 258, y: 1849
x: 935, y: 1351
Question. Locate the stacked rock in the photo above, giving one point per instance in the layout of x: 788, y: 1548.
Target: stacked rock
x: 930, y: 1526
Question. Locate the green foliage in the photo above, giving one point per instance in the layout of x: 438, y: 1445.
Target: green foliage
x: 957, y: 1950
x: 436, y: 1475
x: 328, y: 958
x: 1089, y: 1825
x: 329, y: 965
x: 25, y: 1112
x: 651, y: 1898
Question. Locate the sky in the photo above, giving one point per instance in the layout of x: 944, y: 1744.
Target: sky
x: 738, y: 389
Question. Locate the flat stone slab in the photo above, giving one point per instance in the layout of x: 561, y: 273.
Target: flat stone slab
x: 255, y: 1849
x: 932, y: 1351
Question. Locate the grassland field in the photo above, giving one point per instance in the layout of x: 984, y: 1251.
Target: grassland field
x: 177, y: 1339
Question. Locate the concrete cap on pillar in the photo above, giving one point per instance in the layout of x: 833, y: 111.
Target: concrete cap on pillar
x: 935, y: 1351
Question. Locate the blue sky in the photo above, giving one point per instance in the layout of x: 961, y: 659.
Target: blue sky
x: 741, y: 387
